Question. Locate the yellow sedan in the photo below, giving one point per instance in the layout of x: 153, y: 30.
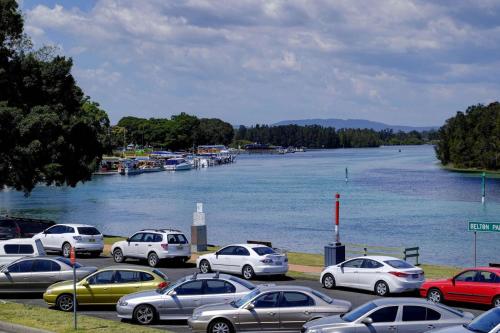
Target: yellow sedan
x: 105, y: 286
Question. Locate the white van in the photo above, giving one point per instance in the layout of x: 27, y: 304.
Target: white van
x: 16, y: 248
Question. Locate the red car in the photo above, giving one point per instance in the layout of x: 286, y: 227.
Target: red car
x: 474, y: 285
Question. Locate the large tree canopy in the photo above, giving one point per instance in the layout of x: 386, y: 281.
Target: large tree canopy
x: 471, y: 139
x: 49, y: 131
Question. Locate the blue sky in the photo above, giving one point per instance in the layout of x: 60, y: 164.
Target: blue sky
x: 256, y: 61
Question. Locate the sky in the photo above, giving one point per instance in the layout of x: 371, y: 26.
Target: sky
x: 255, y: 61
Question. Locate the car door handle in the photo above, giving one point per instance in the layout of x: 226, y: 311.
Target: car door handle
x: 430, y: 327
x: 150, y: 245
x: 307, y: 312
x: 136, y: 244
x: 271, y: 313
x: 392, y: 328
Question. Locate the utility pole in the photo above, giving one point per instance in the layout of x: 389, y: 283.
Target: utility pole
x: 483, y: 186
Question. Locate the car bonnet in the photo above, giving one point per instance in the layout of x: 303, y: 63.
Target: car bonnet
x: 150, y: 294
x: 331, y: 321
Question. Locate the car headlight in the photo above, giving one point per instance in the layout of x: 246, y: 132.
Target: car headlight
x: 48, y: 291
x: 122, y: 303
x: 314, y: 330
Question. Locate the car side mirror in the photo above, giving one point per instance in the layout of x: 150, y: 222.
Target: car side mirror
x: 128, y: 240
x: 85, y: 283
x: 453, y: 281
x: 5, y: 270
x: 367, y: 321
x: 173, y: 293
x: 250, y: 306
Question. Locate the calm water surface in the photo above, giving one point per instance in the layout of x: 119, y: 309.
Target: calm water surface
x: 392, y: 199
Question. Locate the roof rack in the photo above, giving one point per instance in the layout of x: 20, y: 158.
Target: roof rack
x: 194, y: 276
x: 216, y: 276
x: 160, y: 230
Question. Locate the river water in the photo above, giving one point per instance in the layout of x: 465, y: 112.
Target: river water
x: 392, y: 198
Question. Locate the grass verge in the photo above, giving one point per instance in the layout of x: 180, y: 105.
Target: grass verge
x: 62, y: 322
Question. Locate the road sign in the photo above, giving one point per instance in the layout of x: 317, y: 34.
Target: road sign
x: 483, y: 226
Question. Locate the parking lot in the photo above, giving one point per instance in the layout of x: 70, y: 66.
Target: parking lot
x: 356, y: 297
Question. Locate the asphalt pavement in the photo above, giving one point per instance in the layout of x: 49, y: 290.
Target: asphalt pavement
x: 356, y: 297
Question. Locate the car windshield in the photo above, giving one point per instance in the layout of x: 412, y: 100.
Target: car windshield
x: 398, y: 264
x: 68, y: 262
x: 263, y: 250
x: 170, y: 287
x: 244, y: 283
x: 485, y: 322
x: 358, y: 312
x: 245, y: 298
x: 88, y: 231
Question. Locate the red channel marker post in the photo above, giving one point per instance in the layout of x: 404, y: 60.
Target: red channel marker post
x: 73, y: 262
x: 337, y: 218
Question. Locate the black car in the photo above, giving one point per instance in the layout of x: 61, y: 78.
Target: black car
x: 20, y: 227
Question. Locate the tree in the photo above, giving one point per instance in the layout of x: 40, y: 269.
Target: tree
x: 49, y: 131
x: 214, y: 131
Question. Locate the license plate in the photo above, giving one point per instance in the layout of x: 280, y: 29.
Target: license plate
x: 180, y: 247
x: 278, y: 263
x: 415, y: 276
x: 91, y: 240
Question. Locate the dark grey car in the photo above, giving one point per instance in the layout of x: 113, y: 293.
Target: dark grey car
x: 180, y: 299
x: 267, y: 308
x: 35, y: 274
x: 391, y: 315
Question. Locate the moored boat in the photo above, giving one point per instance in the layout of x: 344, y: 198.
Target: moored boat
x: 177, y: 164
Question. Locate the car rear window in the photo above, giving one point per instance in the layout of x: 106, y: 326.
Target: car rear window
x: 88, y: 231
x: 263, y: 250
x: 324, y: 297
x: 160, y: 274
x: 176, y: 239
x: 18, y: 249
x: 244, y: 283
x: 68, y: 262
x: 399, y: 264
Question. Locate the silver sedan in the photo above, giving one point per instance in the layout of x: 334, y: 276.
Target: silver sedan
x: 267, y: 308
x: 35, y: 274
x: 178, y: 301
x: 391, y: 315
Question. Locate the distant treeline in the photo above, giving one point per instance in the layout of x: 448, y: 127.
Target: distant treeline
x: 315, y: 136
x: 185, y: 131
x: 471, y: 139
x: 181, y: 131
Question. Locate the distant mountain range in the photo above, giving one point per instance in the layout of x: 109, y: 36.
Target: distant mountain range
x: 354, y: 123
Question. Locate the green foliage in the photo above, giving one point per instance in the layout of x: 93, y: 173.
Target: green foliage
x: 49, y: 132
x: 471, y: 139
x: 315, y: 136
x: 182, y: 131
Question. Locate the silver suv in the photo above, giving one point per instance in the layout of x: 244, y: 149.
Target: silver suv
x: 153, y: 245
x: 178, y: 300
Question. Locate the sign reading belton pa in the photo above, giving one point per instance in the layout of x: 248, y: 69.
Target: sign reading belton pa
x: 483, y: 226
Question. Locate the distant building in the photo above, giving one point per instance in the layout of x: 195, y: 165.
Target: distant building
x: 211, y: 149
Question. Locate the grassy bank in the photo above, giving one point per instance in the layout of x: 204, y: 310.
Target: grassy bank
x: 62, y: 322
x: 490, y: 173
x: 317, y: 261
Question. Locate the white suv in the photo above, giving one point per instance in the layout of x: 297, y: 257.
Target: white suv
x: 61, y: 237
x: 153, y: 245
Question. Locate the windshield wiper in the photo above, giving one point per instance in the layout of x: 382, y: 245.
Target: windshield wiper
x: 473, y: 330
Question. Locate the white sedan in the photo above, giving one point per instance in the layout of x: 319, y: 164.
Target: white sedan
x: 248, y: 260
x: 380, y: 274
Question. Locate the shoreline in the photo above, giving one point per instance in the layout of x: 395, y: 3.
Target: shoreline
x: 451, y: 168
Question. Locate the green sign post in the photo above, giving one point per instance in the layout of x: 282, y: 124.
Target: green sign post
x: 476, y: 227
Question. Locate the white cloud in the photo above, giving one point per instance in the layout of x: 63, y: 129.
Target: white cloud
x: 362, y: 56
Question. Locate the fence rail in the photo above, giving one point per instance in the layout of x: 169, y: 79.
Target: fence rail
x: 393, y: 251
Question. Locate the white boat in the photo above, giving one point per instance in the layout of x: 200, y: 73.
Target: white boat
x: 129, y: 167
x: 177, y: 164
x: 150, y: 166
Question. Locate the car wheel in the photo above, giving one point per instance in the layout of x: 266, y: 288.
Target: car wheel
x: 144, y: 314
x: 248, y: 272
x: 496, y: 302
x: 205, y: 267
x: 434, y: 295
x: 118, y: 256
x: 153, y: 259
x: 381, y: 288
x: 220, y: 326
x: 66, y: 250
x: 328, y: 281
x: 65, y: 303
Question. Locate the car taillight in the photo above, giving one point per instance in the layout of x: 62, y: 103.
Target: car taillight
x: 162, y: 285
x: 399, y: 274
x: 164, y: 246
x: 266, y: 261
